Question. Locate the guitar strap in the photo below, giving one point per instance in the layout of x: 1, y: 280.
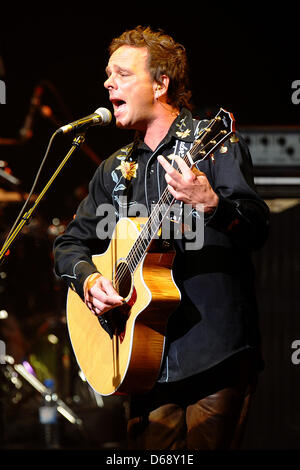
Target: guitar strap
x: 180, y: 149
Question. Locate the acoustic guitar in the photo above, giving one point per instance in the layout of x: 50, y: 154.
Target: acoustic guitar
x: 121, y: 351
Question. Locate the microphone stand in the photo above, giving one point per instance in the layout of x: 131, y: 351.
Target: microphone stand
x: 77, y: 141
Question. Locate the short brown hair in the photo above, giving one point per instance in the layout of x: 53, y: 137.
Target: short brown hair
x: 165, y: 57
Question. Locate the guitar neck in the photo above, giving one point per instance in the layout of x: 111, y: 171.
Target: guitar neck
x: 149, y: 230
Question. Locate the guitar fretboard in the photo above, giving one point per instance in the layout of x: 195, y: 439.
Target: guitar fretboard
x: 149, y: 230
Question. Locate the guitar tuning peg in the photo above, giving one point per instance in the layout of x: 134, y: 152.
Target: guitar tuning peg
x: 234, y: 138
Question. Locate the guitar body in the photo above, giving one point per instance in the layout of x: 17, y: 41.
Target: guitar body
x: 130, y: 360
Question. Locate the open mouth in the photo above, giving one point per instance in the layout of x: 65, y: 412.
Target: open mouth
x: 118, y: 105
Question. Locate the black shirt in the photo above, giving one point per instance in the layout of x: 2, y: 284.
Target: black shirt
x: 217, y: 316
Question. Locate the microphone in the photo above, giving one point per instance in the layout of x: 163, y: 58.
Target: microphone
x: 101, y: 117
x: 26, y: 131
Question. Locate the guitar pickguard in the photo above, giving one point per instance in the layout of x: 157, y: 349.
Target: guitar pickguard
x: 114, y: 321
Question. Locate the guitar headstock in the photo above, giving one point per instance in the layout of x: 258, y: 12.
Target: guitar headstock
x: 211, y: 137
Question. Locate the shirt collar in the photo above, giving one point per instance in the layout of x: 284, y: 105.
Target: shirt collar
x: 182, y: 129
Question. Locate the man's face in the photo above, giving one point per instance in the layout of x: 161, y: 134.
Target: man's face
x: 131, y: 89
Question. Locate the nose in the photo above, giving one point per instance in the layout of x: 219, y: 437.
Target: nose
x: 110, y: 82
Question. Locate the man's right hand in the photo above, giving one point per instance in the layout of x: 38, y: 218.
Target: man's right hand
x: 100, y: 295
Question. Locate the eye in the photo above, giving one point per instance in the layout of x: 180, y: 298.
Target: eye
x: 124, y: 73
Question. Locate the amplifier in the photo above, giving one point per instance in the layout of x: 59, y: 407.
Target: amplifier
x: 273, y: 146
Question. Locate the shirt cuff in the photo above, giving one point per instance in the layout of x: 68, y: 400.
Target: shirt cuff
x: 82, y: 271
x: 225, y: 216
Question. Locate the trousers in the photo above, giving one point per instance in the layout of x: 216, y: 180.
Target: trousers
x: 204, y: 412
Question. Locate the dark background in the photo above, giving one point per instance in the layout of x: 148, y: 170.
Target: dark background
x: 242, y: 59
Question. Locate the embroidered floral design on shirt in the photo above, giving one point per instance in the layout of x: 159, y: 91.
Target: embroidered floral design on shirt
x: 183, y: 134
x: 128, y: 169
x: 116, y: 178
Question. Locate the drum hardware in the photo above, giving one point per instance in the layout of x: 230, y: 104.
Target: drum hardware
x: 7, y: 176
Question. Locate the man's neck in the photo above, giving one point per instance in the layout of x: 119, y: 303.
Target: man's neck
x: 158, y: 129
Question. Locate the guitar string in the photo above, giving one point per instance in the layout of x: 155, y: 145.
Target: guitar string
x: 139, y: 248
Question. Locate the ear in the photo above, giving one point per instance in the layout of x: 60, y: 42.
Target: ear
x: 161, y: 89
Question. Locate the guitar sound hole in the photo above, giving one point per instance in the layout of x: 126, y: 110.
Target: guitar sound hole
x: 122, y: 279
